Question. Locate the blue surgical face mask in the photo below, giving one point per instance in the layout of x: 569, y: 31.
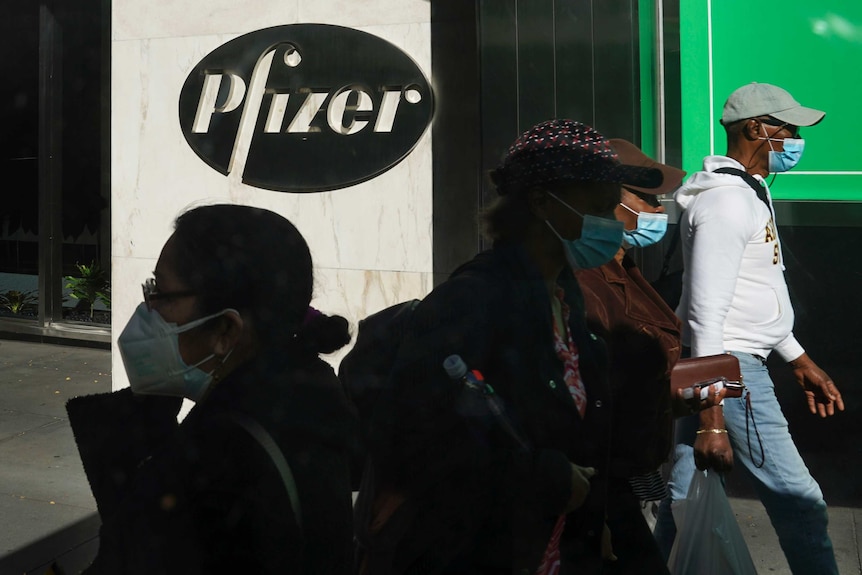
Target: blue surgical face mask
x: 788, y: 158
x: 599, y: 242
x: 150, y: 350
x: 650, y: 229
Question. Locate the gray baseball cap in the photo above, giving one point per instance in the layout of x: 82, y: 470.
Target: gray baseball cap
x: 758, y: 99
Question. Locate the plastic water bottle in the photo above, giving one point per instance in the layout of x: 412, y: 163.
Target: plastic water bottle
x: 473, y: 380
x: 457, y: 370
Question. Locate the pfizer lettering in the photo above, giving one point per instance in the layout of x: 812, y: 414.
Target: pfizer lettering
x: 305, y: 107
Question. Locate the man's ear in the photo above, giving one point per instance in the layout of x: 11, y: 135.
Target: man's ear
x: 228, y: 333
x: 752, y: 129
x: 539, y: 202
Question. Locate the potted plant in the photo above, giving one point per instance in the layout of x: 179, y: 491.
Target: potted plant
x: 17, y: 301
x: 91, y: 285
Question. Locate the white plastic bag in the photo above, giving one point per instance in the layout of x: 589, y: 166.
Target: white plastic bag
x: 708, y: 539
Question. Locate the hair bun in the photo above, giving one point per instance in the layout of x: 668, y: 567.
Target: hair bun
x: 321, y: 333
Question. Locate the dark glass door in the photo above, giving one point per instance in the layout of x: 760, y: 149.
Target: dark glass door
x: 19, y: 151
x: 54, y: 213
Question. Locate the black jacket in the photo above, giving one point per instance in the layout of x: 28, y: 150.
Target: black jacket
x: 204, y: 496
x: 484, y: 503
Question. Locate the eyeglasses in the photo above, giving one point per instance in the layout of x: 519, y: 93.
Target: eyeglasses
x: 151, y: 294
x: 770, y: 121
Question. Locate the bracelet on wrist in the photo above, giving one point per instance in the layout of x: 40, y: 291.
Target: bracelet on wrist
x: 699, y: 431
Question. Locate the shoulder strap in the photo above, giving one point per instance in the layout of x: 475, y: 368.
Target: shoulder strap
x: 752, y: 182
x: 674, y: 241
x: 266, y: 441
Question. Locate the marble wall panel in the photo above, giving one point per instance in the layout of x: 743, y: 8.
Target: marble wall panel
x: 140, y: 19
x: 145, y: 19
x: 358, y: 14
x: 371, y: 243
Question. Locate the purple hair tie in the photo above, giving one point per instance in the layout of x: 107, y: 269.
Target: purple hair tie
x: 310, y: 314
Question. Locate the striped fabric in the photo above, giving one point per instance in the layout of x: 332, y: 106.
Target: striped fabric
x: 648, y: 487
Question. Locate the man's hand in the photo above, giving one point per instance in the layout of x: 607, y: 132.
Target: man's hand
x: 580, y: 486
x: 822, y: 395
x: 712, y: 449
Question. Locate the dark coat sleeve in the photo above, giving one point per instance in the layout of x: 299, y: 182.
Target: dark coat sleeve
x: 198, y: 498
x: 115, y: 433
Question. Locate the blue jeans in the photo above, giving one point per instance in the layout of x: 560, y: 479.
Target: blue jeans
x: 788, y: 492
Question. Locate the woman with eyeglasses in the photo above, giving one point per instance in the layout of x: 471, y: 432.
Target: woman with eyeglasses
x: 255, y: 479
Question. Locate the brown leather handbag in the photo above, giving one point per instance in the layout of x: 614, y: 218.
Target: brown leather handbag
x: 702, y: 371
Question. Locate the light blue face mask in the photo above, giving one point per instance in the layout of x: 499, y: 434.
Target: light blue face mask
x: 786, y: 160
x: 650, y: 230
x: 150, y: 350
x: 599, y: 242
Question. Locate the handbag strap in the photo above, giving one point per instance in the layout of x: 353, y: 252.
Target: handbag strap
x: 266, y: 441
x: 749, y: 413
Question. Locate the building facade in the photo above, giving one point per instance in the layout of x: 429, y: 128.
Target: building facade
x: 108, y: 120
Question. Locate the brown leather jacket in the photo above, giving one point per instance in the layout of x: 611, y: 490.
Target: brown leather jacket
x: 643, y: 336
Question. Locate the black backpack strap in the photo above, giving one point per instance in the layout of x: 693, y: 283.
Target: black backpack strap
x: 752, y: 182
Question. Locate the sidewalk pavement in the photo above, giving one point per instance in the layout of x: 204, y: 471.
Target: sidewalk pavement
x: 48, y: 512
x: 43, y: 490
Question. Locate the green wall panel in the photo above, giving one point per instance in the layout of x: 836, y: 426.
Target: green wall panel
x: 647, y: 67
x: 812, y: 49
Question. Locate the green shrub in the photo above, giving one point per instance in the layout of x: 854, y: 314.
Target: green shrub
x: 91, y: 285
x: 18, y: 301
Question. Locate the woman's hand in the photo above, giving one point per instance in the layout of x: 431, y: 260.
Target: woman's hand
x: 712, y: 448
x: 683, y: 406
x: 607, y: 546
x: 713, y: 451
x: 580, y: 486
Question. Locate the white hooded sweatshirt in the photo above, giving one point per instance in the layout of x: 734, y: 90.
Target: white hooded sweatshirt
x: 734, y: 296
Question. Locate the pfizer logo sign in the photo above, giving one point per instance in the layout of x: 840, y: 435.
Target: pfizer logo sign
x: 305, y: 107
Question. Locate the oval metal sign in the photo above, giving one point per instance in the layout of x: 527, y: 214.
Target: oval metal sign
x: 305, y: 107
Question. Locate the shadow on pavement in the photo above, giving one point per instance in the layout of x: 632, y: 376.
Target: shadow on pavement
x: 72, y: 548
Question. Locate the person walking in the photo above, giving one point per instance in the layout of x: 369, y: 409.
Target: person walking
x: 735, y: 300
x: 476, y: 499
x: 256, y: 477
x: 643, y: 336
